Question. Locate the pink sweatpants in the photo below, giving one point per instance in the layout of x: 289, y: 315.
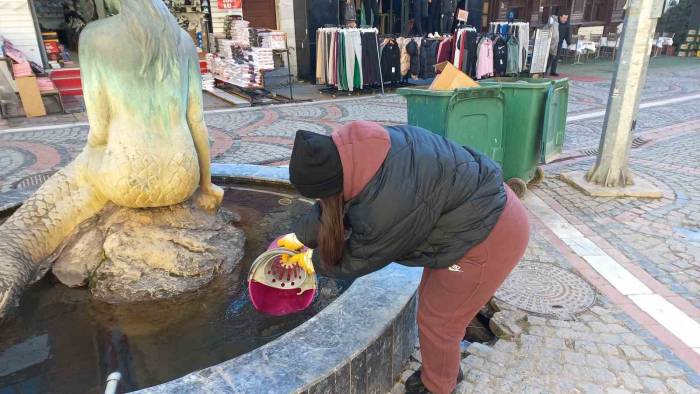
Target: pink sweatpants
x: 449, y: 298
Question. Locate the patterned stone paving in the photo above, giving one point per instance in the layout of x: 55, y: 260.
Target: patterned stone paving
x: 585, y: 134
x: 598, y: 351
x: 263, y: 135
x: 662, y: 236
x: 661, y: 83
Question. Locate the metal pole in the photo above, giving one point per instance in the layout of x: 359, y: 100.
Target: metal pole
x: 612, y: 165
x: 113, y: 382
x: 379, y: 59
x: 289, y: 75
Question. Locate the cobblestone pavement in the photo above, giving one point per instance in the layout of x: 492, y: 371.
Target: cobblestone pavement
x: 662, y: 236
x: 599, y: 351
x: 264, y: 135
x: 585, y: 134
x: 589, y: 94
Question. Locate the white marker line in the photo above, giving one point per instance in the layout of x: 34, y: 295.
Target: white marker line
x: 674, y: 319
x: 665, y: 313
x: 650, y: 104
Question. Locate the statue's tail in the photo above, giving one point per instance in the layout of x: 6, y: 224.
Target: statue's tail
x: 33, y: 233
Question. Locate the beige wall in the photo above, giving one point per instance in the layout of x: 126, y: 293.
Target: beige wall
x: 18, y: 26
x: 285, y: 22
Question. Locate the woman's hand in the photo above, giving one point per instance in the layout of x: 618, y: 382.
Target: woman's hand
x: 209, y: 197
x: 291, y: 242
x: 302, y: 259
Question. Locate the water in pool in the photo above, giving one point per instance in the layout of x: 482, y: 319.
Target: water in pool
x: 61, y: 341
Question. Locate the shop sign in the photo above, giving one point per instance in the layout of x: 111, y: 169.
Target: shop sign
x: 462, y: 15
x: 230, y: 4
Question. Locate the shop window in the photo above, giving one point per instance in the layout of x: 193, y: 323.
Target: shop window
x: 594, y: 10
x: 549, y: 7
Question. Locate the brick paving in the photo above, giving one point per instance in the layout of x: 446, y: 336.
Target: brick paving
x: 599, y: 351
x: 662, y: 236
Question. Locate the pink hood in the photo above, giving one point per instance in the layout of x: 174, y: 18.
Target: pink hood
x: 363, y: 146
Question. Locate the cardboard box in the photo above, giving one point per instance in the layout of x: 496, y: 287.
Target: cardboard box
x: 451, y: 78
x: 31, y: 97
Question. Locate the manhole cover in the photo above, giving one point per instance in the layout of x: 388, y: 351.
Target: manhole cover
x: 546, y: 289
x: 32, y: 181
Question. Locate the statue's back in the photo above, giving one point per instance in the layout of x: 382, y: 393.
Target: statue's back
x: 136, y: 78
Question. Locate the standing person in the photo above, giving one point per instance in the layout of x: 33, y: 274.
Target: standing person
x: 554, y: 43
x: 564, y: 35
x: 403, y: 194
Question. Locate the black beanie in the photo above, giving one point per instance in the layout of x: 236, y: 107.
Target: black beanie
x: 315, y: 169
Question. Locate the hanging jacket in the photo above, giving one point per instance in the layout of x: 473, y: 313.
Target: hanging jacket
x: 405, y: 58
x: 427, y: 56
x: 470, y: 64
x: 484, y: 63
x: 512, y: 65
x: 370, y: 58
x: 391, y: 62
x: 444, y: 50
x: 412, y: 197
x: 412, y: 49
x: 500, y: 56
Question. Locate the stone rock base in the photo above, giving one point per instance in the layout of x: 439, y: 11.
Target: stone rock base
x: 642, y: 188
x: 130, y: 255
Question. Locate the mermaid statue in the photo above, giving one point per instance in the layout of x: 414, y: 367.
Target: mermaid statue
x: 147, y: 146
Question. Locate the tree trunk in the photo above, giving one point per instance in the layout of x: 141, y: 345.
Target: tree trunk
x: 612, y: 165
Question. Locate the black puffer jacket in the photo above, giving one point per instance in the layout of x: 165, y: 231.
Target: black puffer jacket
x: 428, y: 203
x: 412, y: 49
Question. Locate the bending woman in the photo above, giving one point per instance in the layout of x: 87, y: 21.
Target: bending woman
x: 402, y: 194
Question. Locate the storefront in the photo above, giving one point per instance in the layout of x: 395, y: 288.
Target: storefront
x: 47, y: 31
x: 606, y: 13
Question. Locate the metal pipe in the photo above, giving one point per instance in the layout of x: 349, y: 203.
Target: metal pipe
x: 113, y: 382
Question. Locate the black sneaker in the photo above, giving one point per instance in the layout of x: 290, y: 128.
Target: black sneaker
x: 414, y: 384
x: 554, y: 74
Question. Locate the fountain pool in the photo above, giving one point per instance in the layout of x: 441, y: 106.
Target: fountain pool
x: 61, y: 341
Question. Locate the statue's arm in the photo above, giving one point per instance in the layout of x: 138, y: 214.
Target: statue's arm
x: 94, y: 90
x: 195, y: 120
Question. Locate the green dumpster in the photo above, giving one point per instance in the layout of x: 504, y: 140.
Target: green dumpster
x: 554, y: 124
x: 534, y: 124
x: 470, y: 116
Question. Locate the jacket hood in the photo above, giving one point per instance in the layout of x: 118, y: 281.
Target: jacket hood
x: 363, y: 146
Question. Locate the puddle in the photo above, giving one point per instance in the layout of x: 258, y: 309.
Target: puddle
x: 64, y: 342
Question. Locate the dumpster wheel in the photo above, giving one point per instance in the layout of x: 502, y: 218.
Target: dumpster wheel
x: 518, y: 186
x: 538, y: 178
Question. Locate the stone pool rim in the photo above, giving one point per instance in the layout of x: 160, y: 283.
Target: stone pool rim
x: 359, y: 343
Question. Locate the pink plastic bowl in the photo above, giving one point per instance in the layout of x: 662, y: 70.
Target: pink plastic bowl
x: 278, y: 302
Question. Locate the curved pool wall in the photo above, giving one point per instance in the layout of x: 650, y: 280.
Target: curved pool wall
x: 360, y: 343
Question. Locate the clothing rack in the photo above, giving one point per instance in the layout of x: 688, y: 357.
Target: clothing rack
x: 521, y: 31
x: 322, y: 76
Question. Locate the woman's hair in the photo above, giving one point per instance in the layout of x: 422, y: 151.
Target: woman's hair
x: 153, y: 29
x: 331, y: 233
